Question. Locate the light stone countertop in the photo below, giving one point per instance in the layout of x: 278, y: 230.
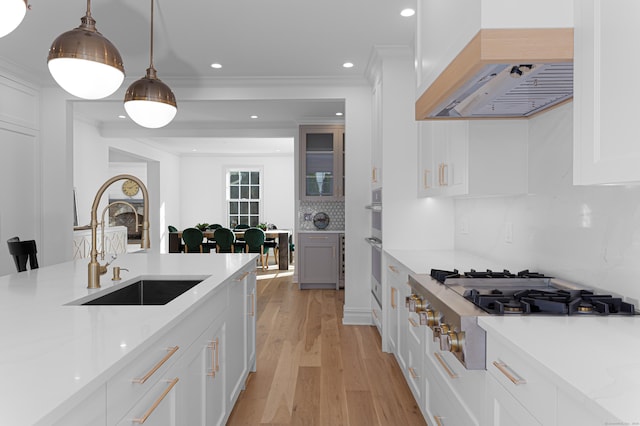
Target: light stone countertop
x: 594, y: 358
x: 52, y: 353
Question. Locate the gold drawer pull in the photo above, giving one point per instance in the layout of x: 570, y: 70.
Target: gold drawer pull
x: 146, y: 415
x: 241, y: 277
x: 413, y: 323
x: 313, y: 237
x: 444, y: 365
x: 393, y: 298
x: 413, y: 373
x: 504, y: 369
x: 215, y: 366
x: 393, y: 269
x: 425, y: 182
x: 155, y: 368
x: 438, y: 420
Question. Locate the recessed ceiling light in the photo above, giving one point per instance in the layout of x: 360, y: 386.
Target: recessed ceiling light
x: 407, y: 12
x: 339, y: 114
x: 254, y: 116
x: 194, y: 150
x: 348, y: 65
x: 216, y: 65
x: 122, y: 116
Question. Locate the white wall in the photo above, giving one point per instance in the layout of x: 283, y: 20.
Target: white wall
x: 202, y: 187
x: 91, y: 169
x: 19, y: 167
x: 590, y: 235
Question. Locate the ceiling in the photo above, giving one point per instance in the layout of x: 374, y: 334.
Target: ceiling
x: 252, y: 39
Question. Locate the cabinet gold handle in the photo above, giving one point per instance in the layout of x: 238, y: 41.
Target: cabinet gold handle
x: 444, y: 365
x: 171, y: 351
x: 445, y: 174
x: 253, y: 305
x: 412, y: 322
x: 504, y: 369
x: 241, y: 277
x: 213, y: 345
x: 438, y: 420
x: 313, y: 237
x: 393, y: 298
x: 393, y: 269
x: 146, y: 415
x: 412, y: 372
x: 374, y: 174
x: 440, y: 174
x: 425, y: 179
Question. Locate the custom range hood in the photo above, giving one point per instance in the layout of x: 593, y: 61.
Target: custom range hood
x: 503, y: 73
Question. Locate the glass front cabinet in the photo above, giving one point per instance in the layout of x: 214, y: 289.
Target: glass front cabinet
x: 322, y: 162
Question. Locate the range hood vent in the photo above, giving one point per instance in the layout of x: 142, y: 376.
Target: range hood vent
x: 513, y: 73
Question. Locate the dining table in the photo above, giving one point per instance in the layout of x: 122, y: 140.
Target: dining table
x: 282, y: 236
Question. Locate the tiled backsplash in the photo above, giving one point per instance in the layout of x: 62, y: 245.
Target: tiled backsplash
x: 334, y: 209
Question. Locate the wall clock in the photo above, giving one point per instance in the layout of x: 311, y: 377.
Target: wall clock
x: 130, y: 188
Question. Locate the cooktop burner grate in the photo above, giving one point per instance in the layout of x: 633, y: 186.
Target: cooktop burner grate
x: 550, y: 302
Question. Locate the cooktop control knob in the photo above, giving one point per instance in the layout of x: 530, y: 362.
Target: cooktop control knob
x: 440, y: 330
x: 452, y: 341
x: 428, y: 317
x: 408, y: 299
x: 416, y: 303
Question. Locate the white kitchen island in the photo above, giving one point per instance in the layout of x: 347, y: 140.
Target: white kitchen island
x: 72, y: 364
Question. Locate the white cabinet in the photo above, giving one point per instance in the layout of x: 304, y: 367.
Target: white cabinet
x: 236, y: 347
x: 204, y: 370
x: 472, y: 158
x: 445, y: 375
x: 251, y: 300
x: 606, y: 150
x: 193, y: 373
x: 503, y: 409
x: 376, y: 136
x: 322, y: 162
x: 528, y: 389
x: 318, y: 260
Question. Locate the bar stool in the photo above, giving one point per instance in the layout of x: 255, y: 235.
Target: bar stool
x: 23, y: 251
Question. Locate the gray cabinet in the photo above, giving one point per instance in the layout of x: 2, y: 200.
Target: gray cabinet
x: 322, y: 162
x: 318, y: 260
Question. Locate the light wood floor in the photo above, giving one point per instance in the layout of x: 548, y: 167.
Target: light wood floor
x: 312, y: 370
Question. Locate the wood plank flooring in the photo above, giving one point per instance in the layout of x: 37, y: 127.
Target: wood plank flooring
x: 312, y: 370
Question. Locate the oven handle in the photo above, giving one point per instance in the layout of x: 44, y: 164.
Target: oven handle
x: 375, y: 207
x: 375, y: 242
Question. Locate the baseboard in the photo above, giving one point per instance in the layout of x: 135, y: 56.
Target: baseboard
x: 357, y: 316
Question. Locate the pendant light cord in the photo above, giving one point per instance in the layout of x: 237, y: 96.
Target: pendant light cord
x: 151, y: 38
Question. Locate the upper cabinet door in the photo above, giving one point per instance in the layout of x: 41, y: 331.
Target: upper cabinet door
x: 606, y: 149
x: 322, y: 162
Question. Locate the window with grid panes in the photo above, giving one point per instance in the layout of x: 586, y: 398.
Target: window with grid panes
x: 243, y: 197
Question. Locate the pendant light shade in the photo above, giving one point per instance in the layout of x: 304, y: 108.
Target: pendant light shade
x: 11, y: 15
x: 148, y: 101
x: 84, y: 63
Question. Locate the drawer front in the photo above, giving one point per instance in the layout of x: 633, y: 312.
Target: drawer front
x: 144, y: 371
x: 317, y: 238
x: 443, y: 406
x: 414, y: 367
x: 527, y: 384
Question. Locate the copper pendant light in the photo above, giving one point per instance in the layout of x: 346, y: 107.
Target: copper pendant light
x: 148, y: 101
x: 84, y: 63
x: 11, y: 15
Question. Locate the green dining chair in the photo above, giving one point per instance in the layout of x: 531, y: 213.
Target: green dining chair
x: 254, y: 243
x: 192, y: 238
x: 225, y: 239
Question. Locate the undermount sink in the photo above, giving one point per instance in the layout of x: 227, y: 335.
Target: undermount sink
x: 145, y: 292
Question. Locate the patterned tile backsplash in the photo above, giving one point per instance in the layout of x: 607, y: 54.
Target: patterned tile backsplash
x: 334, y: 209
